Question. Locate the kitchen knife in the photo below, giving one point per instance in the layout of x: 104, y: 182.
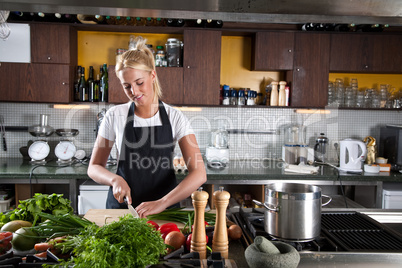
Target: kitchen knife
x: 131, y: 209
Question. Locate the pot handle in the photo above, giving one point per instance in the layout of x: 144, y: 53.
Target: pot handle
x: 275, y: 209
x: 327, y: 196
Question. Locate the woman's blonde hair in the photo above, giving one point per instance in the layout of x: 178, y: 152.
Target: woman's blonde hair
x: 140, y: 58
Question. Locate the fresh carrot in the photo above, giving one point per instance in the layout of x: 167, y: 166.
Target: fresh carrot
x: 41, y: 254
x: 42, y: 246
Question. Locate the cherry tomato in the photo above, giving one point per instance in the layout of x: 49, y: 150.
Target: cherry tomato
x: 166, y: 228
x: 154, y: 224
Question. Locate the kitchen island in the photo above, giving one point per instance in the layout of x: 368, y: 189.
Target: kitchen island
x: 241, y: 172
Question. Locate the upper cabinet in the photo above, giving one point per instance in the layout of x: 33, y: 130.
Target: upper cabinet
x: 273, y: 51
x: 49, y: 76
x: 24, y: 82
x: 202, y: 65
x: 371, y: 53
x: 52, y: 43
x: 309, y: 78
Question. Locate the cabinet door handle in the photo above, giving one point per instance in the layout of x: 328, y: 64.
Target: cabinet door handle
x: 290, y: 51
x: 298, y: 69
x: 63, y: 83
x: 188, y: 66
x: 49, y: 58
x: 366, y: 66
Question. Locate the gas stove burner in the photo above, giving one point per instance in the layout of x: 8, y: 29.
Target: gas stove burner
x: 291, y: 240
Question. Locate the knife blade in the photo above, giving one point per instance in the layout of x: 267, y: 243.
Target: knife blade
x: 131, y: 209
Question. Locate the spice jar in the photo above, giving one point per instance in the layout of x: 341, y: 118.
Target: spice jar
x: 160, y: 57
x: 226, y: 100
x: 241, y: 100
x: 233, y: 97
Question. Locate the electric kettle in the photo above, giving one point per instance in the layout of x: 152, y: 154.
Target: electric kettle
x: 351, y: 158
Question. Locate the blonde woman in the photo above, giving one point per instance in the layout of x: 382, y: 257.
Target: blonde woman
x: 146, y: 131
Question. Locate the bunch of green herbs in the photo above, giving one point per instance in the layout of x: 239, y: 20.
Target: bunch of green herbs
x: 29, y: 209
x: 60, y: 225
x: 128, y: 242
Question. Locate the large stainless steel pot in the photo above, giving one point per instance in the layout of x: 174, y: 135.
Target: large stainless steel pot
x: 293, y: 211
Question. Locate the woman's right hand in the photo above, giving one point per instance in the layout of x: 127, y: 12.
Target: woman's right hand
x: 121, y: 189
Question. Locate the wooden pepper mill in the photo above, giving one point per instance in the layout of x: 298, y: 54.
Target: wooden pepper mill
x: 198, y: 238
x: 220, y: 242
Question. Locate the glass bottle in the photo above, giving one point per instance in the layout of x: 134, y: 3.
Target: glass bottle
x: 139, y: 21
x: 97, y: 88
x: 83, y: 86
x: 92, y: 90
x: 130, y: 21
x: 104, y: 85
x: 110, y: 20
x: 149, y: 21
x: 77, y: 83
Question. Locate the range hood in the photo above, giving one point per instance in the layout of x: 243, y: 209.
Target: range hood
x: 251, y: 11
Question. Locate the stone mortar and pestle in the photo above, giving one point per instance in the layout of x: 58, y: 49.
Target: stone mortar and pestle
x: 266, y: 254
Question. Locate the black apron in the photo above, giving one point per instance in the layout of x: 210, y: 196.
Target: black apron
x: 146, y: 161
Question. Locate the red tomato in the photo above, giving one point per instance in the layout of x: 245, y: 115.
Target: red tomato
x: 188, y: 241
x: 166, y: 228
x: 154, y: 224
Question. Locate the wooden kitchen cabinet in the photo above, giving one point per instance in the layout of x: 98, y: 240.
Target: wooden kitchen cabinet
x: 24, y: 82
x: 371, y: 53
x: 309, y: 77
x: 52, y: 43
x: 272, y: 51
x: 202, y: 64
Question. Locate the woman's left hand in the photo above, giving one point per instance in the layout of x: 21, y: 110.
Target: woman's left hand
x: 148, y: 208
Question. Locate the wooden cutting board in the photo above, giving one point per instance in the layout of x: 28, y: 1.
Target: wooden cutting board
x: 104, y: 216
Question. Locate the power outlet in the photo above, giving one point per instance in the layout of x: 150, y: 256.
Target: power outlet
x: 335, y: 145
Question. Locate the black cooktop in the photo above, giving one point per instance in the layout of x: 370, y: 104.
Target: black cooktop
x: 340, y: 231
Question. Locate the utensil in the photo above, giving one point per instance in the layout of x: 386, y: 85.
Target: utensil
x: 131, y: 209
x: 3, y: 132
x: 42, y: 129
x: 293, y: 211
x: 320, y: 148
x: 350, y: 158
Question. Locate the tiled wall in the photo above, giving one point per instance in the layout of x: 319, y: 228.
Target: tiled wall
x: 336, y: 124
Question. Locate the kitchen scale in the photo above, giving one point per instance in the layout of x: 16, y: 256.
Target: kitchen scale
x: 65, y: 150
x: 40, y: 149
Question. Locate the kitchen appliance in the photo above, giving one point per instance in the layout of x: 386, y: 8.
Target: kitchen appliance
x: 217, y: 153
x: 92, y: 196
x: 320, y: 148
x: 392, y: 196
x: 352, y: 155
x: 350, y: 238
x: 293, y: 211
x: 65, y: 150
x: 391, y: 144
x: 295, y: 149
x: 40, y: 149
